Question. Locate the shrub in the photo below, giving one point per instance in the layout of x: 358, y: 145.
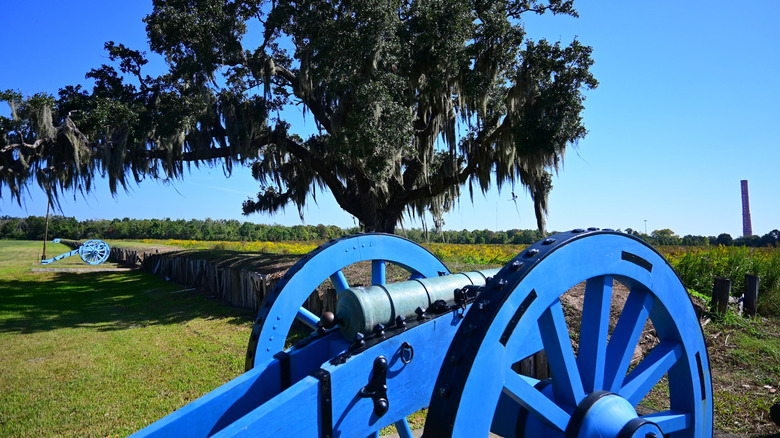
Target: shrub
x: 698, y: 269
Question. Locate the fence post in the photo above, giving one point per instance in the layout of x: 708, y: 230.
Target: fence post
x: 751, y: 295
x: 720, y: 295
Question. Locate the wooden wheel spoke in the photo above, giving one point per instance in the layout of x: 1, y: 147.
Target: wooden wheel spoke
x: 670, y: 421
x: 650, y: 371
x: 521, y: 389
x: 566, y: 381
x: 339, y: 281
x: 378, y: 272
x: 307, y: 317
x: 594, y: 330
x: 625, y: 337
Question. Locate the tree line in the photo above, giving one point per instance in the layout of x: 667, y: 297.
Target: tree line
x: 34, y: 228
x: 667, y: 237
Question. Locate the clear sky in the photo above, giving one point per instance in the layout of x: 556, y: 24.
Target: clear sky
x: 688, y: 105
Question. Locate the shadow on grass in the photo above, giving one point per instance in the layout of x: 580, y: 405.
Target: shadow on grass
x: 103, y: 301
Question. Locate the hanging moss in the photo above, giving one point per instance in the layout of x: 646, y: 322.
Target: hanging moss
x: 412, y: 100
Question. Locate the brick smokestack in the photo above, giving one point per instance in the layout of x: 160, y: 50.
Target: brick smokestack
x: 747, y: 226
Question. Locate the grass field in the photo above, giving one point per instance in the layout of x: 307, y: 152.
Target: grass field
x: 104, y: 354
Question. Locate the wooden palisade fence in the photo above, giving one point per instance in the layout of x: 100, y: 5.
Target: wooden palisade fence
x: 238, y: 287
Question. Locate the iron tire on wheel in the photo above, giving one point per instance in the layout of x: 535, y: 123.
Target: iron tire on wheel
x: 94, y: 251
x: 595, y: 392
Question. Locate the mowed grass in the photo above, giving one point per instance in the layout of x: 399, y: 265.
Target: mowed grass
x: 105, y: 354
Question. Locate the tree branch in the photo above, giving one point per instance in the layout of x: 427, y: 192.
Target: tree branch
x: 324, y: 172
x: 317, y: 108
x: 441, y: 184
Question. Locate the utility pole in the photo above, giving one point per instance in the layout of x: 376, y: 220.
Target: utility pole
x: 46, y: 231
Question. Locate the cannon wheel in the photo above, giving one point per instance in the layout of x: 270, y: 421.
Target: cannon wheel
x: 284, y: 304
x: 596, y: 391
x: 94, y: 251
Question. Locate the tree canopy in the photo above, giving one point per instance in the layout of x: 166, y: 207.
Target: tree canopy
x: 412, y: 101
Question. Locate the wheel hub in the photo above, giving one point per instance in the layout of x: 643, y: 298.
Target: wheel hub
x: 604, y: 414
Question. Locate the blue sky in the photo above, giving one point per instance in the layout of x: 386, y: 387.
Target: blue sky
x: 686, y: 108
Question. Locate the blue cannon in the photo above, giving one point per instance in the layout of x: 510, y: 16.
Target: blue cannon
x: 452, y: 343
x: 93, y: 251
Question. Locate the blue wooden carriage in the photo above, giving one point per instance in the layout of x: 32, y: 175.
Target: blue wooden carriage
x: 93, y: 252
x: 452, y: 343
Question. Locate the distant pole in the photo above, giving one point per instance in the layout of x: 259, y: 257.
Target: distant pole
x: 645, y: 226
x: 751, y: 295
x: 721, y: 291
x: 747, y: 226
x: 46, y: 231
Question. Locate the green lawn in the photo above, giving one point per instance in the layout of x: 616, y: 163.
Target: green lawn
x: 104, y: 354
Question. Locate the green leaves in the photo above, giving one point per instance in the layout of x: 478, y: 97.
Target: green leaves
x: 412, y: 99
x: 198, y: 36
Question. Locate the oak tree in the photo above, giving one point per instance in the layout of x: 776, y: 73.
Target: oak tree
x: 413, y: 100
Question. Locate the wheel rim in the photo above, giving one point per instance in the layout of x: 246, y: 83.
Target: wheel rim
x: 481, y: 391
x: 94, y: 251
x: 284, y: 304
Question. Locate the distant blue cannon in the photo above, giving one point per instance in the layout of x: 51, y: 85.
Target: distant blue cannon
x: 453, y: 343
x: 92, y: 251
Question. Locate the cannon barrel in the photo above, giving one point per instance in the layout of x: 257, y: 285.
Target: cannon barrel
x: 361, y: 309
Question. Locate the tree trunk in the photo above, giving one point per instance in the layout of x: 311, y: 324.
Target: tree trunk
x: 378, y: 215
x: 383, y: 222
x: 540, y: 219
x: 380, y: 220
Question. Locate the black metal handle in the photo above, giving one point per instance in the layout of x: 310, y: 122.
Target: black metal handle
x: 407, y: 352
x: 377, y: 387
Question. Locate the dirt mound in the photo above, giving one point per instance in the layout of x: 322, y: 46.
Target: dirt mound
x: 572, y: 302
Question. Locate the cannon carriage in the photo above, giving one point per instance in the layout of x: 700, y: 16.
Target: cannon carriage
x: 93, y: 252
x: 452, y: 343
